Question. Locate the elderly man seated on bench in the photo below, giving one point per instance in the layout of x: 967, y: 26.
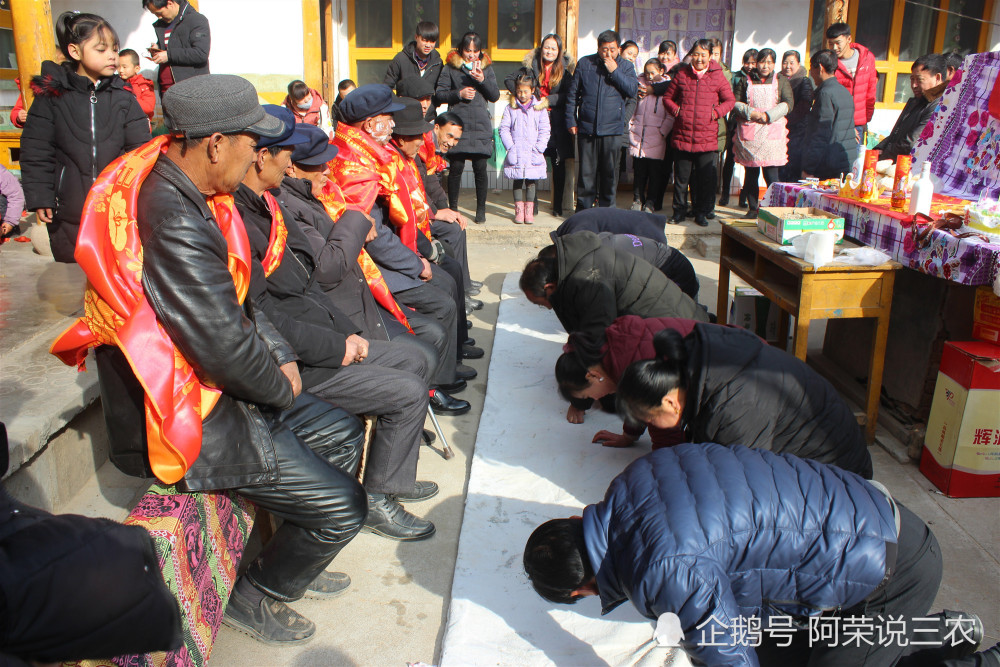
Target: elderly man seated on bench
x: 199, y: 389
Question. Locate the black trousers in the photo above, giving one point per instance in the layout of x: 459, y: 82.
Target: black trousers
x: 597, y: 179
x: 728, y: 166
x: 703, y: 185
x: 908, y: 594
x: 558, y: 181
x: 391, y: 386
x: 457, y: 166
x: 318, y: 447
x: 680, y: 270
x: 437, y: 304
x: 751, y: 185
x: 650, y: 180
x: 456, y: 245
x: 448, y: 278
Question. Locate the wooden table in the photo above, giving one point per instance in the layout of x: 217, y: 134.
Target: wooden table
x: 833, y: 291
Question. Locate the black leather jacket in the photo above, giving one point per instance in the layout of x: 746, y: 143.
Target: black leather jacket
x: 187, y: 283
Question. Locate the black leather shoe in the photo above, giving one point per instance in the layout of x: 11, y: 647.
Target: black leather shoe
x: 443, y: 404
x: 472, y: 352
x: 677, y: 219
x: 724, y: 200
x: 700, y: 221
x: 469, y: 341
x: 387, y: 518
x: 428, y: 437
x: 475, y: 304
x: 966, y: 630
x: 750, y: 215
x: 453, y: 387
x: 476, y: 284
x: 271, y: 621
x: 421, y: 491
x: 328, y: 585
x: 463, y: 372
x: 710, y: 216
x: 472, y: 291
x: 468, y: 324
x: 480, y: 215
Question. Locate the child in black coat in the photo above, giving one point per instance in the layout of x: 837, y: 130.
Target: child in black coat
x: 82, y: 119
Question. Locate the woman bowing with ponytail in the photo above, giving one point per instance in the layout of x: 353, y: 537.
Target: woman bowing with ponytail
x: 726, y: 385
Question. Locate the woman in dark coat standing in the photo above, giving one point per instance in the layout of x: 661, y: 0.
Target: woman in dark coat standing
x: 554, y: 69
x: 726, y: 385
x: 466, y: 84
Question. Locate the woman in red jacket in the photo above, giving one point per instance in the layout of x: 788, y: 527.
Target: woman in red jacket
x: 697, y: 96
x: 589, y: 370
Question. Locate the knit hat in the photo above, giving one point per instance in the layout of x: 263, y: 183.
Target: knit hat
x: 209, y: 103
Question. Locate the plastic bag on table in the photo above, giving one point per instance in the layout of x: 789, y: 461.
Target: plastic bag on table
x: 863, y: 256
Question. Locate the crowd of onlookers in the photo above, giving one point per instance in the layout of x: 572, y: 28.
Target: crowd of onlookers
x: 260, y: 276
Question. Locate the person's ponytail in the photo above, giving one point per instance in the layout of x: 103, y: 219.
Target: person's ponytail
x: 644, y: 383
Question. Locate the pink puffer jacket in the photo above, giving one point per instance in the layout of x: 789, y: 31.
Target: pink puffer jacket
x: 650, y: 127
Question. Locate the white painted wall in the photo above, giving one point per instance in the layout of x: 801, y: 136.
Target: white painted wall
x: 245, y: 36
x: 778, y: 24
x: 238, y: 36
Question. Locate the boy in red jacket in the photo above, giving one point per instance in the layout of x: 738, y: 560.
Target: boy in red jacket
x: 142, y: 88
x: 856, y: 72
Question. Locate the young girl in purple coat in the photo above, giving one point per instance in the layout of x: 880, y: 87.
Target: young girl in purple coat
x: 524, y: 131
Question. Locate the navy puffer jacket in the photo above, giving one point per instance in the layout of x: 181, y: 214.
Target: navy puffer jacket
x: 714, y: 533
x: 595, y: 104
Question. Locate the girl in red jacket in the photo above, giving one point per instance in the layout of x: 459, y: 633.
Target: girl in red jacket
x: 697, y: 96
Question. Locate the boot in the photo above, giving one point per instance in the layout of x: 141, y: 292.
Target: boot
x: 518, y: 212
x: 268, y: 620
x: 387, y: 518
x: 328, y: 585
x: 529, y: 213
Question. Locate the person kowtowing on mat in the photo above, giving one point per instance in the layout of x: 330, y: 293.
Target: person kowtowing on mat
x: 754, y: 554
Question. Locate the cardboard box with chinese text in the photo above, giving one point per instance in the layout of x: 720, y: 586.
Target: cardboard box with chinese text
x: 752, y: 310
x: 781, y: 223
x: 962, y: 447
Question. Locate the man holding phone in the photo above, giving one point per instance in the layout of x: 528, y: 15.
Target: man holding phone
x: 183, y: 40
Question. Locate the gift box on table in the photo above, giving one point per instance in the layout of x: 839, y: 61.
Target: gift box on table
x: 962, y: 446
x: 783, y: 223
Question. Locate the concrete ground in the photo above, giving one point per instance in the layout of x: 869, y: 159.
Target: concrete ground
x: 396, y: 609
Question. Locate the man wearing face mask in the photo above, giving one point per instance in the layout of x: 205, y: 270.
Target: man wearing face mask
x: 362, y: 140
x: 308, y: 106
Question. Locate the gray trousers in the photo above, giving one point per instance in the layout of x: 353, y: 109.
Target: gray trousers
x: 454, y: 239
x: 389, y: 385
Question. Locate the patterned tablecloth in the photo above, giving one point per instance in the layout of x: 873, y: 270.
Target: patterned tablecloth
x: 968, y: 261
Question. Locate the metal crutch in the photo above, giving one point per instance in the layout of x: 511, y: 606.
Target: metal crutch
x: 446, y: 451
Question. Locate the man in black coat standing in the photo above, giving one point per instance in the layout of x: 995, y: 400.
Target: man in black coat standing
x: 183, y: 40
x: 595, y: 113
x: 418, y: 60
x: 830, y: 140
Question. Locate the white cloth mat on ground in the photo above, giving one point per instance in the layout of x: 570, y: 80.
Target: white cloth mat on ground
x: 531, y: 465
